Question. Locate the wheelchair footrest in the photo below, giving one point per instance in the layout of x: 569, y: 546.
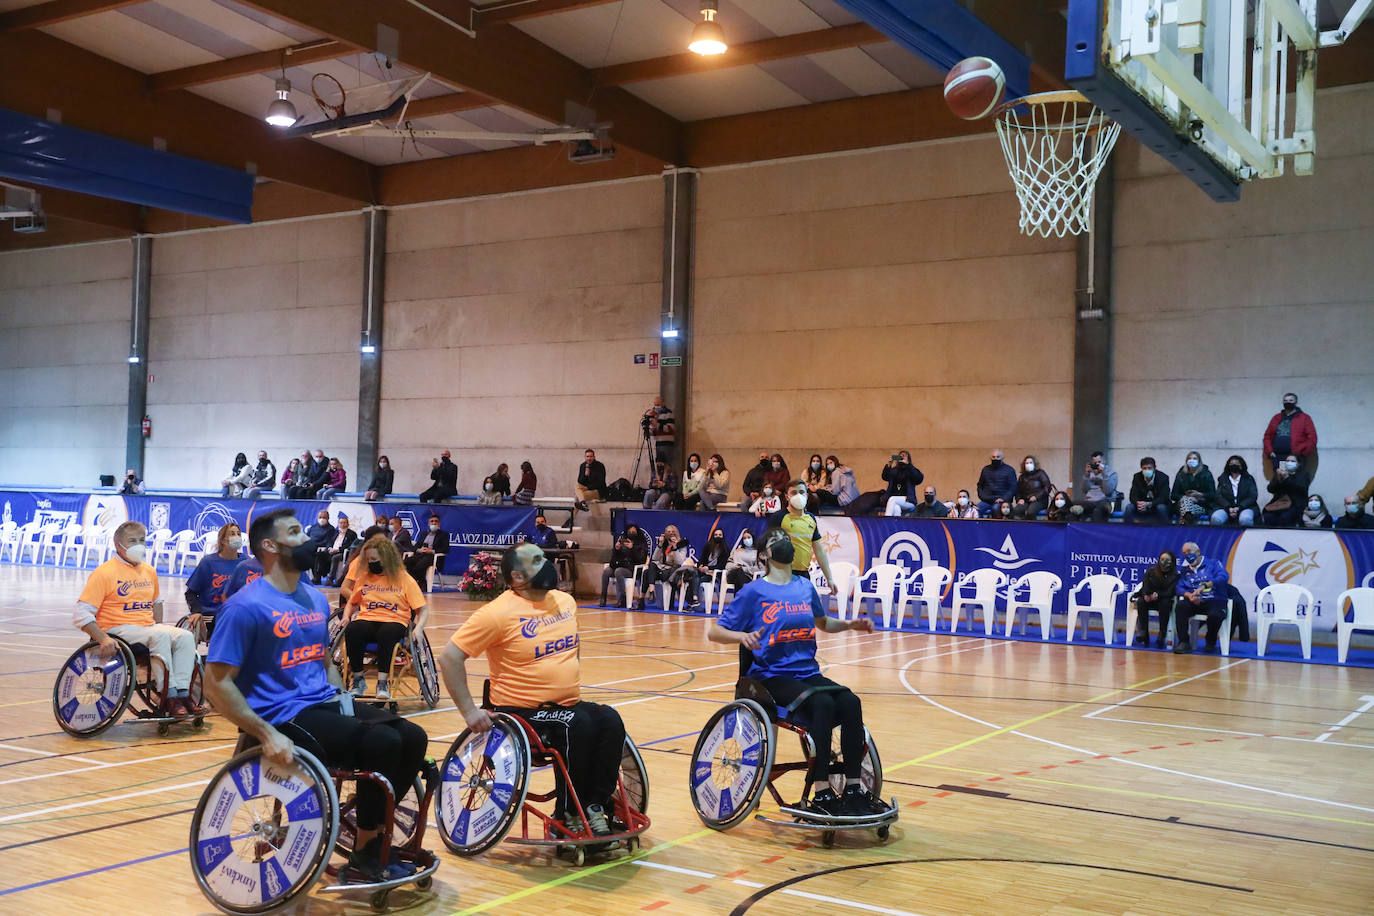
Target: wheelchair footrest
x: 809, y: 819
x: 426, y: 864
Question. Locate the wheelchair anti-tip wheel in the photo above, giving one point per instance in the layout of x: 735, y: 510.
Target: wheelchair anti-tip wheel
x: 731, y: 764
x: 871, y: 773
x: 262, y: 834
x: 484, y: 781
x: 91, y: 692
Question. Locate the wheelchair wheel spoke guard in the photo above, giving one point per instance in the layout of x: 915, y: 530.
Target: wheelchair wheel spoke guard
x: 731, y: 764
x: 91, y: 693
x: 484, y: 781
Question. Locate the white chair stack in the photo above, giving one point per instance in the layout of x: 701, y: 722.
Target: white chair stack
x: 1103, y: 591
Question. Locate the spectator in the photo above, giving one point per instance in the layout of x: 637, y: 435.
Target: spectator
x: 529, y: 482
x: 238, y: 479
x: 826, y: 487
x: 544, y: 536
x: 289, y: 478
x: 328, y: 562
x: 400, y: 537
x: 716, y: 488
x: 208, y: 586
x: 744, y: 566
x: 692, y: 481
x: 132, y: 485
x: 1289, y: 486
x: 964, y: 507
x: 1237, y: 495
x: 930, y: 507
x: 902, y: 478
x: 445, y: 477
x: 319, y: 475
x: 1201, y: 590
x: 1290, y: 432
x: 489, y: 496
x: 383, y: 481
x: 777, y: 474
x: 662, y: 486
x: 264, y: 477
x: 591, y: 480
x: 996, y: 485
x: 302, y: 479
x: 334, y: 482
x: 1316, y: 515
x: 716, y: 554
x: 769, y: 501
x: 1195, y: 490
x: 432, y: 545
x: 1061, y: 508
x: 1098, y: 489
x: 381, y: 525
x: 673, y: 562
x: 624, y: 559
x: 641, y: 540
x: 322, y: 535
x: 1033, y: 489
x: 816, y: 478
x: 1149, y: 497
x: 1355, y: 518
x: 1158, y: 591
x: 501, y: 480
x: 843, y: 486
x: 658, y: 422
x: 753, y: 482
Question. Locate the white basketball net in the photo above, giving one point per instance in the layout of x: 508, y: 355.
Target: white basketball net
x: 1055, y: 145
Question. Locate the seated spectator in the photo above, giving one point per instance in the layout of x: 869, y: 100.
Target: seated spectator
x: 591, y: 480
x: 777, y: 474
x: 544, y: 536
x: 625, y: 556
x: 1061, y: 508
x: 208, y: 586
x: 381, y: 525
x: 1237, y: 495
x: 383, y: 481
x: 400, y: 536
x: 842, y: 489
x: 300, y: 483
x: 1195, y: 490
x: 335, y: 480
x: 501, y: 480
x: 902, y: 478
x: 692, y: 481
x: 1289, y: 487
x: 964, y: 507
x: 319, y: 476
x: 132, y: 485
x: 431, y: 545
x: 716, y: 488
x: 288, y: 478
x: 769, y: 501
x: 1149, y: 499
x: 264, y: 477
x: 1290, y: 433
x: 930, y: 506
x: 673, y: 562
x: 1098, y: 489
x: 1355, y: 518
x: 1316, y: 514
x: 1157, y: 592
x: 328, y: 564
x: 744, y: 565
x: 238, y: 479
x: 639, y: 539
x: 1202, y: 589
x: 816, y: 478
x: 753, y: 482
x: 662, y: 486
x: 716, y: 554
x: 444, y: 473
x: 489, y: 496
x: 996, y: 485
x: 524, y: 494
x: 1033, y: 489
x: 322, y: 535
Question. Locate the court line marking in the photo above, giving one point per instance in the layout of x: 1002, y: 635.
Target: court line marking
x: 1229, y: 731
x: 644, y: 863
x: 107, y: 766
x: 100, y: 801
x: 26, y: 702
x: 93, y: 871
x: 1368, y: 702
x: 1129, y: 700
x: 31, y: 750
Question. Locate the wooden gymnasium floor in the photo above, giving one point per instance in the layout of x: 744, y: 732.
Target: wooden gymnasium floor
x: 1032, y: 779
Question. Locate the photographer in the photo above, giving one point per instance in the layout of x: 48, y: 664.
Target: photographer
x: 659, y: 493
x: 133, y: 484
x: 902, y: 480
x: 1098, y: 489
x: 658, y: 425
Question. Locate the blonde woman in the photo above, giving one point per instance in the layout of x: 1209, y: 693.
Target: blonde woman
x: 384, y: 606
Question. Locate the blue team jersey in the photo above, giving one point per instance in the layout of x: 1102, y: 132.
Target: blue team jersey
x: 211, y: 579
x: 280, y: 644
x: 787, y: 615
x: 250, y: 570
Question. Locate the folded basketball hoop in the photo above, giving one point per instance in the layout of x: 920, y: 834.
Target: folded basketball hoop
x: 1055, y: 144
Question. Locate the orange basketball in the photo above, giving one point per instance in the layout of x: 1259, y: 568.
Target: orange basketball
x: 973, y: 87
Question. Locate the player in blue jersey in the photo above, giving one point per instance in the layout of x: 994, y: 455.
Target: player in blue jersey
x: 776, y: 619
x: 208, y: 587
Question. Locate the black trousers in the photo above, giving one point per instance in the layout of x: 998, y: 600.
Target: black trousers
x: 386, y: 635
x: 590, y: 737
x: 371, y: 739
x: 1214, y: 608
x: 417, y: 564
x: 436, y: 493
x: 824, y: 710
x: 1101, y: 509
x: 1164, y: 606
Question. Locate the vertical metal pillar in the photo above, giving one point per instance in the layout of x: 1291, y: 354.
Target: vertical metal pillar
x: 138, y: 355
x: 679, y: 226
x: 370, y: 345
x: 1092, y: 345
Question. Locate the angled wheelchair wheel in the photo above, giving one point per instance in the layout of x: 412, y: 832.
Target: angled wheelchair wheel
x: 404, y: 819
x: 91, y: 692
x: 870, y: 773
x: 484, y: 781
x: 262, y: 834
x: 426, y: 672
x: 731, y: 764
x: 634, y: 778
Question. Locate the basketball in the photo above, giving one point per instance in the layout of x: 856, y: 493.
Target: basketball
x: 974, y: 87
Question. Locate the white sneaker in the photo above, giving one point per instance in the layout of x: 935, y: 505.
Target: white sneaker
x: 359, y: 687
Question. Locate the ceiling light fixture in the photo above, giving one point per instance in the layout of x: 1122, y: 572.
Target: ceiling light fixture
x: 281, y: 113
x: 708, y: 38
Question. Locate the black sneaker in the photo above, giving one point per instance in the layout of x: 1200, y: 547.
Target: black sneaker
x: 1182, y: 648
x: 365, y: 867
x: 859, y: 802
x: 825, y: 803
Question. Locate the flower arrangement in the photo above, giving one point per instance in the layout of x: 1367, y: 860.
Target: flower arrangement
x: 483, y: 578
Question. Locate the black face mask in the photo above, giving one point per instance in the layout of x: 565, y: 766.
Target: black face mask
x: 782, y: 551
x: 375, y: 567
x: 930, y: 498
x: 1166, y: 564
x: 546, y: 578
x: 301, y: 557
x: 995, y: 462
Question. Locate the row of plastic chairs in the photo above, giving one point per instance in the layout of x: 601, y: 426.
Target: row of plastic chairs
x: 174, y: 552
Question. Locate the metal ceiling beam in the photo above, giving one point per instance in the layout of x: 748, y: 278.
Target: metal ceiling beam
x: 519, y: 10
x: 262, y: 62
x: 35, y: 17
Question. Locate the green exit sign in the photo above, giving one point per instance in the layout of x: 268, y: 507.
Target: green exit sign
x: 670, y: 361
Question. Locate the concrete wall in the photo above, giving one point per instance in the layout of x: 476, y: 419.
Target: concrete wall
x: 253, y: 344
x: 511, y: 329
x: 64, y: 342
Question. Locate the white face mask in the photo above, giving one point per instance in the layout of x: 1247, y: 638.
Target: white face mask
x: 798, y: 501
x: 487, y: 487
x: 1059, y: 503
x: 1030, y: 465
x: 815, y: 465
x: 767, y: 491
x: 830, y: 467
x: 1352, y: 508
x: 693, y: 465
x: 235, y: 543
x: 963, y: 500
x: 748, y: 542
x: 776, y: 466
x: 1291, y: 465
x: 1314, y: 506
x: 1192, y: 464
x: 136, y: 553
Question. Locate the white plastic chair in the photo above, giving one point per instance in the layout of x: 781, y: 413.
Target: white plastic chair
x: 880, y: 584
x: 96, y: 540
x: 50, y: 538
x: 927, y: 586
x: 9, y: 538
x: 196, y: 548
x: 1195, y: 622
x: 1285, y: 603
x: 157, y: 544
x: 1361, y: 614
x: 846, y: 581
x: 1041, y: 587
x: 73, y: 537
x: 985, y: 584
x: 28, y: 537
x: 1103, y: 590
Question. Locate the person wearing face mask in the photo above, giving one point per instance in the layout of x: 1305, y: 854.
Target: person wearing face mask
x: 1289, y: 488
x: 774, y: 622
x: 840, y: 488
x: 1290, y: 432
x: 1355, y: 518
x: 386, y: 605
x: 383, y: 481
x: 122, y: 598
x: 769, y: 501
x: 930, y: 506
x: 208, y: 586
x: 805, y: 532
x: 340, y: 549
x: 1033, y: 489
x: 902, y: 478
x: 322, y: 534
x: 488, y: 496
x: 530, y: 638
x: 996, y: 486
x: 429, y: 549
x: 269, y: 673
x: 543, y: 535
x: 716, y: 488
x: 1149, y: 499
x: 693, y: 479
x: 1157, y: 592
x: 662, y: 486
x: 1195, y: 491
x: 1098, y: 488
x: 744, y: 565
x: 334, y: 482
x: 620, y: 568
x: 264, y: 477
x: 1316, y: 515
x: 716, y: 554
x: 673, y: 561
x: 777, y: 475
x: 233, y: 486
x: 1237, y: 495
x: 319, y: 476
x: 1061, y: 508
x: 444, y: 473
x: 963, y: 506
x: 400, y: 536
x: 753, y: 482
x: 1201, y: 589
x: 290, y: 478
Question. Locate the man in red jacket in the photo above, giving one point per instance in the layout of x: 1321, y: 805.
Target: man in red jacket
x: 1290, y: 432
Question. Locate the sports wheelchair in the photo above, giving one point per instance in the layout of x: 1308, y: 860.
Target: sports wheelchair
x: 734, y: 762
x: 262, y: 834
x: 485, y: 786
x: 91, y: 693
x: 413, y: 674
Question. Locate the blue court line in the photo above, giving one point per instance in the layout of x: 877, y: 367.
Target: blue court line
x: 94, y: 871
x: 661, y: 740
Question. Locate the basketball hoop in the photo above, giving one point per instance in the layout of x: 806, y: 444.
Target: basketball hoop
x: 1055, y: 144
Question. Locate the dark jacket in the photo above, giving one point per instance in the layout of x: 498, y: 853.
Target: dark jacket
x: 996, y: 483
x: 592, y: 476
x: 322, y: 535
x: 350, y: 538
x: 440, y: 541
x: 264, y: 476
x: 1247, y: 498
x: 753, y: 481
x: 1055, y: 514
x: 544, y: 536
x: 1294, y: 486
x: 402, y: 541
x: 1034, y: 486
x: 625, y: 557
x: 715, y: 555
x: 319, y: 473
x: 1360, y: 521
x: 1155, y: 492
x: 1200, y: 480
x: 1156, y: 582
x: 933, y: 509
x: 383, y: 479
x: 639, y: 547
x: 445, y: 475
x: 500, y: 483
x: 903, y: 480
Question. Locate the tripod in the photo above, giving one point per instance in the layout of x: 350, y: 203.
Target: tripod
x: 646, y: 447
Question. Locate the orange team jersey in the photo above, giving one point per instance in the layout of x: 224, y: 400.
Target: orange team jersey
x: 122, y: 594
x: 531, y: 649
x: 356, y: 568
x: 377, y: 599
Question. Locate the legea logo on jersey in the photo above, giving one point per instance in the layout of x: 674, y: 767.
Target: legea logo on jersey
x: 1313, y: 559
x: 1006, y: 557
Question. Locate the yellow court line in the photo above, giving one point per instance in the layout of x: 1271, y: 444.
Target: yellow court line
x: 25, y: 702
x: 1011, y: 728
x: 579, y: 874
